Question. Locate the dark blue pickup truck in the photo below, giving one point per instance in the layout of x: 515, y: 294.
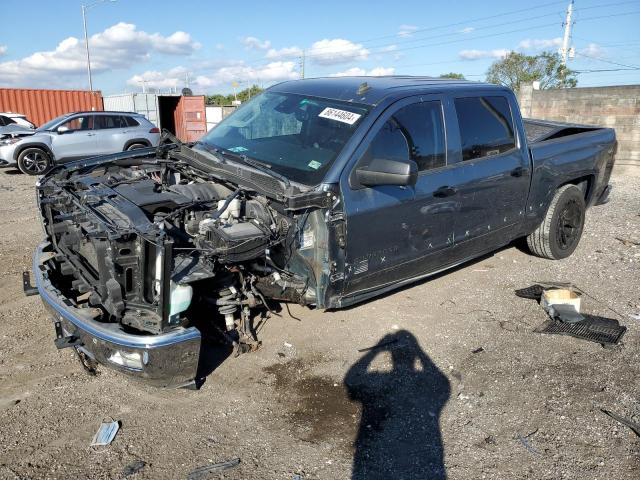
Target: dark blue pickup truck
x: 323, y: 192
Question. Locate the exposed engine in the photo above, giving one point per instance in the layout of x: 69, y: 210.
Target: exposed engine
x: 155, y: 245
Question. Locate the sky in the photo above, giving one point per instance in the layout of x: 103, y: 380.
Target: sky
x: 216, y: 47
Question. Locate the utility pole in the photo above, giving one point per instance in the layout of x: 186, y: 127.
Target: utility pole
x: 86, y: 36
x: 302, y: 61
x: 567, y: 34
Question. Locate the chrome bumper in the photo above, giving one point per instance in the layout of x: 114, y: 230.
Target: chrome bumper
x: 166, y: 360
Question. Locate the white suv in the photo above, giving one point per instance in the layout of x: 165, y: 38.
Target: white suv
x: 75, y: 136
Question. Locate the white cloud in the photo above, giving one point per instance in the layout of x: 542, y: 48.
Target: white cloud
x: 220, y: 77
x: 219, y: 46
x: 361, y: 72
x: 389, y: 48
x: 255, y: 43
x: 3, y: 49
x: 592, y: 50
x: 467, y: 30
x: 336, y: 51
x: 286, y: 52
x: 539, y: 43
x: 119, y: 46
x: 406, y: 30
x: 478, y: 54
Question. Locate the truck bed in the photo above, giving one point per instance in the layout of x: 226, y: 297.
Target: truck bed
x: 541, y: 130
x: 563, y: 152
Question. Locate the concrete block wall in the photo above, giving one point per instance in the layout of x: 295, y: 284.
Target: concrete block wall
x: 615, y: 107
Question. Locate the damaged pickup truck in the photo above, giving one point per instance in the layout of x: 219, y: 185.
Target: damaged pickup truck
x: 321, y: 192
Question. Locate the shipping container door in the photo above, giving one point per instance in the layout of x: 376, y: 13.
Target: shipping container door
x: 191, y: 119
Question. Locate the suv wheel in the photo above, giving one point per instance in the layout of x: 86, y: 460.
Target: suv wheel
x: 559, y: 233
x: 135, y: 146
x: 34, y: 161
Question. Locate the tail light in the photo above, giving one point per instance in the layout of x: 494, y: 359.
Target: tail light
x: 154, y: 130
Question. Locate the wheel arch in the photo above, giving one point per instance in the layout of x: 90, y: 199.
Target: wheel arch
x: 40, y: 145
x: 132, y: 141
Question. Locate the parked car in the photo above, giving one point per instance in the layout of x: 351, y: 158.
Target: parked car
x: 18, y: 118
x: 323, y: 192
x: 77, y: 135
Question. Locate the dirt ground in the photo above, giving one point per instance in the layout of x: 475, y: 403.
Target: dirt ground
x: 460, y: 386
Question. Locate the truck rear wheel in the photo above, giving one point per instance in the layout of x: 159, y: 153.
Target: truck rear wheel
x: 559, y: 233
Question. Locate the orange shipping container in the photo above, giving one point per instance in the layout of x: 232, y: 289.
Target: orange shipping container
x: 40, y: 106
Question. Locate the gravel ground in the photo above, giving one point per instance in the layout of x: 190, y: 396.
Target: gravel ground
x: 460, y: 385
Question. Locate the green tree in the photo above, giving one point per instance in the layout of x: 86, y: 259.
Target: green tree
x: 546, y: 68
x: 243, y: 96
x: 456, y: 76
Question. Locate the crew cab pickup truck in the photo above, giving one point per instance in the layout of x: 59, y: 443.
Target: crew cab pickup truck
x: 323, y: 192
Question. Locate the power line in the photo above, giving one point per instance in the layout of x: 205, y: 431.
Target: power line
x: 607, y: 61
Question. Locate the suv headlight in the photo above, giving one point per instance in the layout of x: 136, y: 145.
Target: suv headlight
x: 10, y: 141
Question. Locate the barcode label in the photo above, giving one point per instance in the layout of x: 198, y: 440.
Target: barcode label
x: 340, y: 115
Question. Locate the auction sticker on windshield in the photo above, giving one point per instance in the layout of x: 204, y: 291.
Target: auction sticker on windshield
x: 340, y: 115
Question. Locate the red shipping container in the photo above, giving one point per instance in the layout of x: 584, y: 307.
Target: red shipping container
x: 41, y: 105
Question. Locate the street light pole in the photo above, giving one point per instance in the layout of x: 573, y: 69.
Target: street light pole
x: 86, y: 36
x: 86, y: 45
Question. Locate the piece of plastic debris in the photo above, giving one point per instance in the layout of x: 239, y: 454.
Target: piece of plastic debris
x: 624, y: 421
x: 288, y: 345
x: 635, y: 316
x: 133, y: 468
x: 204, y: 472
x: 565, y: 313
x: 105, y: 434
x: 478, y: 350
x: 379, y: 345
x: 525, y: 442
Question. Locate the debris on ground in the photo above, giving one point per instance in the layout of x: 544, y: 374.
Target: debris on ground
x: 478, y: 350
x: 624, y: 421
x: 593, y: 328
x: 627, y: 242
x: 105, y: 434
x: 561, y: 301
x: 203, y: 472
x: 133, y: 468
x: 378, y: 345
x: 635, y: 316
x: 524, y: 440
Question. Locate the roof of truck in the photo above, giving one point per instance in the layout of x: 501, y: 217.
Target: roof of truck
x: 371, y: 90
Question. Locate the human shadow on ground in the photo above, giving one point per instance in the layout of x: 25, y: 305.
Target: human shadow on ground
x: 399, y: 433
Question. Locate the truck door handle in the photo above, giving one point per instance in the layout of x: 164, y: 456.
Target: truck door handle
x: 445, y: 191
x: 517, y: 172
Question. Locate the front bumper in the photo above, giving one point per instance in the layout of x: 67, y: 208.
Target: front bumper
x: 6, y: 156
x: 166, y: 360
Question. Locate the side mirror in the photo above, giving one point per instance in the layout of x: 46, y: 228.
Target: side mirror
x: 382, y: 171
x: 62, y: 129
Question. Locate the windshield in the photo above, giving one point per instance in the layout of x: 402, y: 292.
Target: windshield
x: 51, y: 123
x: 294, y: 135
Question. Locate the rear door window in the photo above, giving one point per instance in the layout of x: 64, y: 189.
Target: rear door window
x: 486, y: 126
x: 131, y: 122
x: 110, y: 121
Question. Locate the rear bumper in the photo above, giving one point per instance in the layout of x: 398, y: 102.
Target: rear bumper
x: 166, y: 360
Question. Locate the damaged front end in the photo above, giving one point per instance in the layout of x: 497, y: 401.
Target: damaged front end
x: 146, y: 254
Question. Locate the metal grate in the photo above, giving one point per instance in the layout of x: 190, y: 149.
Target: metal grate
x: 593, y: 328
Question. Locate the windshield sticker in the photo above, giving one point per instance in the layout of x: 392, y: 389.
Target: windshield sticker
x: 340, y: 115
x: 237, y: 149
x: 314, y: 164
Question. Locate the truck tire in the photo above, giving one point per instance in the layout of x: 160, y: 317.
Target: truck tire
x: 34, y: 161
x: 559, y: 233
